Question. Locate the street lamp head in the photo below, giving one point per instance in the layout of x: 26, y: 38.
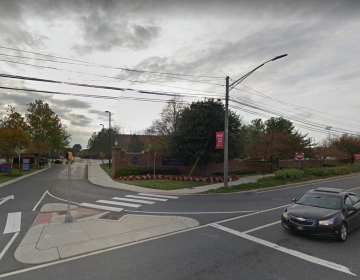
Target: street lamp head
x: 106, y: 111
x: 279, y: 56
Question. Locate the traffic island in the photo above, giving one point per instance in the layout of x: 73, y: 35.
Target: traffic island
x: 53, y: 240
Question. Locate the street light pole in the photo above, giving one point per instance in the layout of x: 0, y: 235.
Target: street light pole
x: 109, y: 138
x: 102, y: 158
x: 228, y: 88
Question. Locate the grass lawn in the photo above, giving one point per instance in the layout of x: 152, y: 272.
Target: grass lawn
x: 159, y: 184
x: 5, y: 178
x: 106, y: 168
x: 163, y: 184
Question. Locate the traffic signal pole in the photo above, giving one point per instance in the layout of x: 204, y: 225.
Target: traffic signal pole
x: 226, y: 143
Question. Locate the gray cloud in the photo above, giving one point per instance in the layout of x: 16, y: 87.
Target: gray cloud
x: 80, y: 120
x: 103, y: 33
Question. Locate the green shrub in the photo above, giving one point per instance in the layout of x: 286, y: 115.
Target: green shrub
x: 125, y: 171
x: 288, y: 174
x: 239, y: 172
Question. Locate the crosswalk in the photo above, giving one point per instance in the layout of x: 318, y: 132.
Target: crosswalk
x: 132, y: 201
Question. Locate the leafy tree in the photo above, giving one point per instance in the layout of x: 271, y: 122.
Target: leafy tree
x: 350, y: 145
x: 135, y: 144
x: 279, y: 125
x: 276, y: 146
x: 198, y: 123
x: 99, y: 141
x: 77, y: 148
x: 13, y: 137
x: 161, y: 129
x: 45, y: 128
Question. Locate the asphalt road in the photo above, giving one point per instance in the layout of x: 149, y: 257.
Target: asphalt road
x: 218, y: 249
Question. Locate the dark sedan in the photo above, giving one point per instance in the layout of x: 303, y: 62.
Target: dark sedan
x: 324, y: 212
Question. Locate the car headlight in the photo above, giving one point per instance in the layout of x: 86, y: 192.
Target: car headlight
x: 285, y: 215
x: 326, y: 222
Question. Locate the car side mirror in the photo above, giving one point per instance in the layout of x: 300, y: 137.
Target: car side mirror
x: 293, y: 199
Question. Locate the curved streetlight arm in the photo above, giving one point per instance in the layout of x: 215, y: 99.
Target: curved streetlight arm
x: 238, y: 81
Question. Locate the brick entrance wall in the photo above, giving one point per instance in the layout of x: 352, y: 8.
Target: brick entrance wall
x: 122, y: 159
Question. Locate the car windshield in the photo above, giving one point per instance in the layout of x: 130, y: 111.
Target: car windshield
x: 320, y: 200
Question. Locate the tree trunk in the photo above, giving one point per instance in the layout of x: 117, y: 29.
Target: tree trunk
x: 272, y: 166
x: 9, y: 164
x: 206, y: 168
x: 352, y: 160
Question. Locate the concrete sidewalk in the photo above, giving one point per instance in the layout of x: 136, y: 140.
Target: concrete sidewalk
x: 50, y: 239
x: 98, y: 176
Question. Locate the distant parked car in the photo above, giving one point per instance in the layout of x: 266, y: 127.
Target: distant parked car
x: 58, y: 160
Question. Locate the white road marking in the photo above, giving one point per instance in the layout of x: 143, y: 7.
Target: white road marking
x: 294, y: 253
x: 192, y: 213
x: 150, y: 198
x: 95, y: 206
x: 6, y: 199
x: 8, y: 245
x: 40, y: 200
x: 268, y: 225
x: 134, y: 200
x: 118, y: 203
x: 61, y: 199
x: 353, y: 189
x: 126, y: 245
x: 159, y: 195
x: 13, y: 222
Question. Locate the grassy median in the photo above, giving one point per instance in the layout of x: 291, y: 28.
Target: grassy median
x: 15, y: 173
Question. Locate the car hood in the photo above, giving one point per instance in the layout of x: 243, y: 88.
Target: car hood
x: 306, y: 211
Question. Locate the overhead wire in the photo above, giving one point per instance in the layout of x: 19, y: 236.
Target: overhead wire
x: 120, y: 68
x: 79, y: 72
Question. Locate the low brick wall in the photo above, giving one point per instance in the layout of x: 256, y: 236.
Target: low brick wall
x: 122, y: 159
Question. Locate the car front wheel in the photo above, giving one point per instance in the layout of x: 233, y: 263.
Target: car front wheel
x: 343, y: 233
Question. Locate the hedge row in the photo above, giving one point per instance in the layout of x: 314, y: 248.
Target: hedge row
x: 239, y: 172
x: 125, y: 171
x: 293, y: 173
x: 177, y: 178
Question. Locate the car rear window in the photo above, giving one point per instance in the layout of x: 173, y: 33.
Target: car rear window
x: 320, y: 200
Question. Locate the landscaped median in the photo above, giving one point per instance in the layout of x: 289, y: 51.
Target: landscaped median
x: 171, y: 180
x: 291, y: 176
x: 15, y: 173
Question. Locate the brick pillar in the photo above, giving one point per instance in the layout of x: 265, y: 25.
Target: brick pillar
x: 116, y: 159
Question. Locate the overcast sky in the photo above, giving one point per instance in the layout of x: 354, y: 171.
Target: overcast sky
x: 316, y: 85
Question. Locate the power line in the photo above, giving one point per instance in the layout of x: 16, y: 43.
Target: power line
x: 106, y: 66
x: 97, y: 86
x: 289, y: 104
x: 78, y: 72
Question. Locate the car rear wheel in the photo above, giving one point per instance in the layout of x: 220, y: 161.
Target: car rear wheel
x: 343, y: 233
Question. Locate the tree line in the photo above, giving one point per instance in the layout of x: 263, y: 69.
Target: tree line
x: 188, y: 131
x: 40, y: 131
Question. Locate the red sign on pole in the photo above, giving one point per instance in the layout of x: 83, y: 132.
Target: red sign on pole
x: 299, y: 156
x: 219, y: 140
x: 356, y: 156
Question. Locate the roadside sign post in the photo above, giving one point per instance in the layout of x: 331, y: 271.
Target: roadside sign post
x: 68, y: 216
x: 299, y: 157
x: 154, y: 164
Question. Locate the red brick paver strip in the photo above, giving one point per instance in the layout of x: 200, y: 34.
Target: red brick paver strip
x: 85, y: 210
x: 43, y: 218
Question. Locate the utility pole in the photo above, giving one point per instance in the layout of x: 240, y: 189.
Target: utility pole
x: 226, y: 143
x: 234, y: 84
x: 109, y: 138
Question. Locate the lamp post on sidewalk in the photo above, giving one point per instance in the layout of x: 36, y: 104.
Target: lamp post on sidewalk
x: 228, y: 88
x: 109, y: 138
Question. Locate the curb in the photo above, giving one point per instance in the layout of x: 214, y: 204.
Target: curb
x: 287, y: 185
x: 248, y: 191
x: 22, y: 177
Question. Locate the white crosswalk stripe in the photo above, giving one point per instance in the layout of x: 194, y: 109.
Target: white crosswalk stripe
x: 107, y: 208
x: 13, y: 222
x: 119, y: 203
x: 159, y: 195
x: 150, y: 198
x: 140, y: 198
x: 134, y: 200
